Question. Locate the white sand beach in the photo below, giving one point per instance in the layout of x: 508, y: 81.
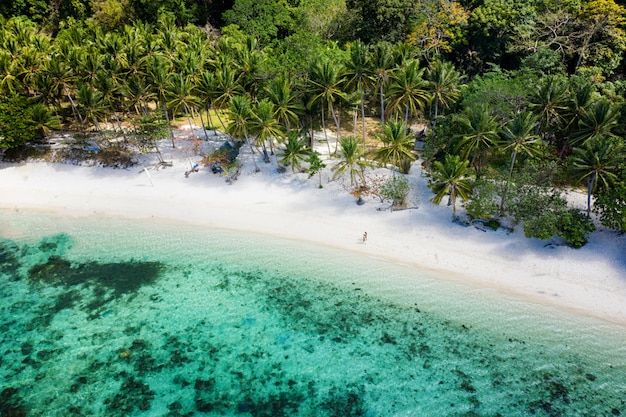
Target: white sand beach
x: 590, y: 281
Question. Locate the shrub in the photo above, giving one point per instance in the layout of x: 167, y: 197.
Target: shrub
x: 396, y: 189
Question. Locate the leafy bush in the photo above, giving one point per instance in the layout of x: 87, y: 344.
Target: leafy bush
x: 573, y: 226
x: 396, y: 189
x: 483, y: 201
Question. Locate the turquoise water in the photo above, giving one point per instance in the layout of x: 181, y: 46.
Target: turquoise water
x: 108, y: 317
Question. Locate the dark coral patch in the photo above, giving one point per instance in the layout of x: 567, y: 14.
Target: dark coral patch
x: 120, y: 277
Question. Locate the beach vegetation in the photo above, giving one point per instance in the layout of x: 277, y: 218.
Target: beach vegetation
x: 452, y: 178
x: 396, y: 189
x: 296, y: 151
x: 353, y: 160
x: 487, y: 82
x: 397, y: 147
x: 316, y: 165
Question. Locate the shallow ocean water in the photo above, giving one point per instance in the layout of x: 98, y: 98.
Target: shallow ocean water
x: 112, y: 317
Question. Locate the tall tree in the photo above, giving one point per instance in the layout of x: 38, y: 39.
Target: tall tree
x: 358, y: 76
x: 597, y: 162
x: 452, y: 178
x: 397, y: 144
x: 241, y: 118
x: 444, y: 83
x: 519, y: 136
x: 280, y: 91
x: 265, y: 125
x: 352, y: 160
x: 479, y: 134
x: 382, y: 64
x: 326, y: 82
x: 408, y: 90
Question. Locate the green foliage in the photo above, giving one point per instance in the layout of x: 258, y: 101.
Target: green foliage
x: 353, y: 160
x: 396, y: 189
x: 265, y: 20
x: 295, y: 152
x: 376, y: 20
x: 610, y: 206
x: 451, y: 178
x: 316, y: 165
x: 574, y: 226
x: 482, y: 202
x: 16, y: 122
x: 544, y: 211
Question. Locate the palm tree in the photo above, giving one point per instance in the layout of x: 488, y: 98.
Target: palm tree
x: 444, y: 85
x: 44, y: 119
x: 280, y: 92
x: 479, y: 134
x: 451, y: 178
x: 398, y: 144
x: 91, y: 104
x: 382, y: 63
x: 549, y: 102
x: 240, y: 115
x: 597, y: 162
x: 265, y: 125
x: 520, y: 136
x: 353, y: 160
x: 407, y: 91
x: 326, y: 82
x: 158, y: 75
x: 226, y: 87
x: 598, y: 121
x: 181, y: 93
x: 358, y: 76
x: 295, y: 152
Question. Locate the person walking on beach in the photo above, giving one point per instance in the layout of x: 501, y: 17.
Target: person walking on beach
x: 364, y: 237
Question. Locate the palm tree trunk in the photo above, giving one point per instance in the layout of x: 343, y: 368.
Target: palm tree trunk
x: 382, y: 105
x: 324, y: 129
x: 169, y: 125
x: 363, y: 114
x: 592, y: 180
x: 337, y: 124
x: 256, y: 167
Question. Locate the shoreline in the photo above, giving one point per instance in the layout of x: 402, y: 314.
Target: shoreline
x: 590, y: 281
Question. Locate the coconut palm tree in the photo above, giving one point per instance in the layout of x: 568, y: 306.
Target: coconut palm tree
x: 519, y: 136
x: 241, y: 117
x: 280, y: 91
x: 358, y: 76
x: 407, y: 92
x: 158, y: 75
x: 326, y: 83
x: 444, y: 83
x: 181, y: 93
x: 381, y: 66
x: 44, y: 119
x: 598, y: 121
x: 451, y: 178
x: 265, y: 125
x: 91, y: 105
x: 397, y: 144
x: 352, y: 160
x: 479, y: 134
x: 295, y: 152
x: 597, y: 162
x: 549, y: 102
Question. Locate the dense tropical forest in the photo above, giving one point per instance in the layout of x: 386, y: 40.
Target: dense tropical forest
x: 516, y: 100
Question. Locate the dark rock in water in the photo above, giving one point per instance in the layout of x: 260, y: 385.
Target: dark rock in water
x: 9, y: 259
x: 10, y: 404
x: 121, y: 277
